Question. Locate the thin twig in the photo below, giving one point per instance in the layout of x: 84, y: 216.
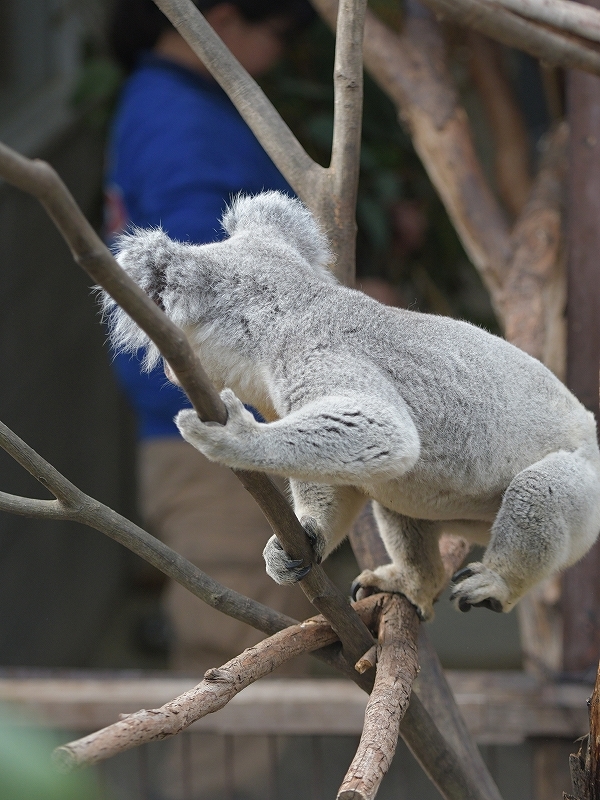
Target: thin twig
x: 397, y: 667
x: 40, y: 180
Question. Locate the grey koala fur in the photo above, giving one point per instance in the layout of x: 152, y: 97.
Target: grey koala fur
x: 445, y: 426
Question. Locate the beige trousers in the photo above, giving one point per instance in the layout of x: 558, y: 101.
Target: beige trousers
x: 202, y: 511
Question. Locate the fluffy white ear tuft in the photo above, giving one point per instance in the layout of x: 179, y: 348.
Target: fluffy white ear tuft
x: 144, y: 255
x: 286, y: 215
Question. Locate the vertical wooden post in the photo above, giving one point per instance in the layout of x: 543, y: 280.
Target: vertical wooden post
x: 581, y: 583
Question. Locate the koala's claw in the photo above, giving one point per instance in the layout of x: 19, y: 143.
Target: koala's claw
x: 477, y: 586
x: 283, y: 569
x: 358, y: 591
x: 461, y: 574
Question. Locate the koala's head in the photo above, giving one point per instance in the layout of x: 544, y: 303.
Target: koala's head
x: 269, y: 233
x: 285, y: 217
x: 145, y: 256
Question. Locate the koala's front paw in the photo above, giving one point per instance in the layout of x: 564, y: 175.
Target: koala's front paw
x: 223, y: 443
x: 389, y: 578
x: 476, y: 585
x: 283, y: 569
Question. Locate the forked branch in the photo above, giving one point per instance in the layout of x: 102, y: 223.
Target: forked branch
x: 330, y: 192
x: 213, y: 693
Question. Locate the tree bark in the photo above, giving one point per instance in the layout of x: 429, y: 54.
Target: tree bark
x: 397, y: 667
x: 581, y: 584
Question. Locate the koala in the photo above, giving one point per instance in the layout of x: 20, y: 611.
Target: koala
x: 444, y: 426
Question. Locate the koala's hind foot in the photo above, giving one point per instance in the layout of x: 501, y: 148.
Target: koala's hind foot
x: 477, y: 585
x: 286, y: 570
x: 416, y: 570
x: 389, y: 578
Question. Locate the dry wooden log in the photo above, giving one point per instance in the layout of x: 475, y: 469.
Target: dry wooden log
x: 506, y: 125
x: 397, y: 667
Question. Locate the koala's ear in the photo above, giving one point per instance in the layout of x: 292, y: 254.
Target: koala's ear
x: 144, y: 255
x: 288, y: 217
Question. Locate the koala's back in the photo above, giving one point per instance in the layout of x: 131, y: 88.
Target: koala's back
x: 484, y: 409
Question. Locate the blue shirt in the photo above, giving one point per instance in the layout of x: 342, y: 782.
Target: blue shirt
x: 178, y: 152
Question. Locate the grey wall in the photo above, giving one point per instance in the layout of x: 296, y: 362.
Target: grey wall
x: 58, y: 581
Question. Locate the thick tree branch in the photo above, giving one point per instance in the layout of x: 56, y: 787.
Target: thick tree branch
x: 397, y: 667
x: 554, y: 47
x: 39, y: 179
x: 565, y: 15
x: 506, y: 124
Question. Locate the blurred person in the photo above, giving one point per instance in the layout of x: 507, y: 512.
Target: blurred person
x: 178, y: 152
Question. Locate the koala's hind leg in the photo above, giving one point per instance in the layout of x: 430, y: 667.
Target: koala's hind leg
x: 549, y: 517
x: 416, y: 570
x: 326, y: 514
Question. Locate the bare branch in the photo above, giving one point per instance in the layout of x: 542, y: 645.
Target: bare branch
x: 506, y: 124
x: 534, y: 291
x: 397, y: 667
x: 213, y: 693
x: 76, y: 506
x: 287, y: 153
x: 434, y: 691
x: 503, y: 25
x: 41, y: 180
x: 410, y: 68
x: 347, y: 126
x: 367, y: 661
x: 566, y: 15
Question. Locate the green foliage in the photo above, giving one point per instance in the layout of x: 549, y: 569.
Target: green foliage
x: 27, y: 773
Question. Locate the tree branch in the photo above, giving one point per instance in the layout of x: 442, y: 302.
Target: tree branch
x: 506, y: 125
x: 285, y: 150
x: 397, y: 667
x: 330, y: 192
x: 565, y: 15
x: 39, y: 179
x: 499, y: 23
x: 410, y: 68
x: 344, y: 168
x: 213, y: 693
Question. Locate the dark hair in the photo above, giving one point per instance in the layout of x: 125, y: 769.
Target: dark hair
x: 135, y: 25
